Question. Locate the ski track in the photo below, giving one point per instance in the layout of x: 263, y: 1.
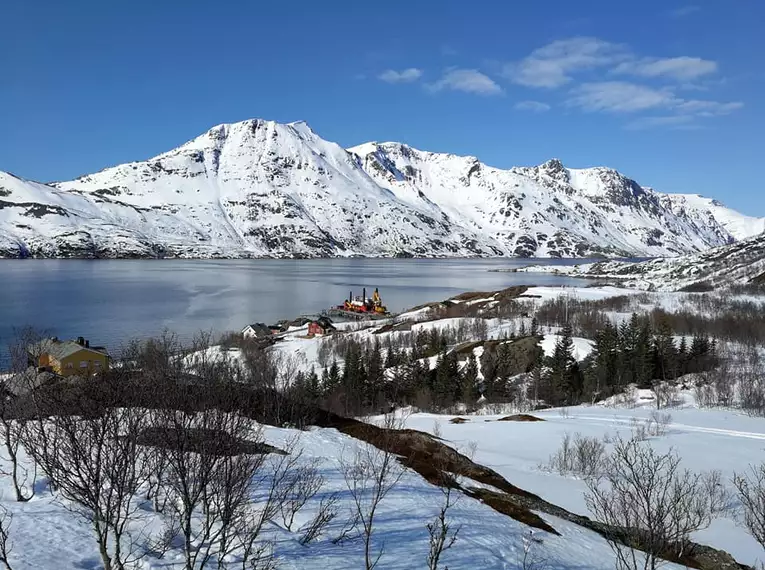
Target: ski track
x: 625, y: 420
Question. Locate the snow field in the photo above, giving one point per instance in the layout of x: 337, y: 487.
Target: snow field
x: 705, y: 440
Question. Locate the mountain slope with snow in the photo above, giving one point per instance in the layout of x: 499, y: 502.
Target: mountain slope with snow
x: 740, y: 226
x: 264, y: 189
x: 741, y: 263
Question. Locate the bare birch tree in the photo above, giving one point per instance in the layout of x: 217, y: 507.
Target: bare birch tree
x: 650, y: 504
x: 370, y: 476
x: 96, y: 466
x: 751, y: 493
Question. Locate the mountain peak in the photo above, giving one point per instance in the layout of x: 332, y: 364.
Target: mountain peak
x: 554, y: 164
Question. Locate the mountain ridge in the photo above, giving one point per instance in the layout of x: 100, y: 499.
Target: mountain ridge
x: 259, y: 188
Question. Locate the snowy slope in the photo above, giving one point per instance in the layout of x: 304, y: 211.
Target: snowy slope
x: 259, y: 188
x: 738, y: 225
x: 740, y: 263
x: 543, y: 211
x: 48, y: 536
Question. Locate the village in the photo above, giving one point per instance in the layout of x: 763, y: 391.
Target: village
x: 358, y: 308
x: 517, y: 371
x: 51, y: 358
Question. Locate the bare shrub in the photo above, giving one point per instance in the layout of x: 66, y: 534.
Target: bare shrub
x: 751, y: 494
x: 22, y: 476
x: 370, y: 476
x: 531, y: 559
x: 442, y: 532
x: 300, y: 485
x: 96, y: 464
x: 649, y: 504
x: 325, y: 514
x: 667, y: 394
x: 658, y: 423
x: 208, y: 475
x: 639, y: 429
x: 6, y: 520
x: 581, y: 456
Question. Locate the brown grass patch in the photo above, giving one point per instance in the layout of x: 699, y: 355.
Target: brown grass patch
x: 520, y: 418
x: 458, y: 421
x: 504, y: 504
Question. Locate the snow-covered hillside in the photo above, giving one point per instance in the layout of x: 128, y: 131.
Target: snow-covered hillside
x: 740, y: 263
x: 738, y: 225
x: 259, y: 188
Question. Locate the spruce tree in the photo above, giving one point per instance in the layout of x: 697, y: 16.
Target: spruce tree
x: 665, y: 365
x: 561, y: 367
x: 470, y: 388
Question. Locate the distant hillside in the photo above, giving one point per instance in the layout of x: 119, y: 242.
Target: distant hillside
x: 741, y: 263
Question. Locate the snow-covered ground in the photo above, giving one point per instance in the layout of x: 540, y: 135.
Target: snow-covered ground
x: 47, y: 536
x: 705, y: 439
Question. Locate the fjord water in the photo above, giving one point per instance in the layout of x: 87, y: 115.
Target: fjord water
x: 112, y: 301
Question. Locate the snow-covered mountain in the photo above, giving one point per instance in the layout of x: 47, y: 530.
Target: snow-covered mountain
x: 260, y: 188
x: 740, y: 263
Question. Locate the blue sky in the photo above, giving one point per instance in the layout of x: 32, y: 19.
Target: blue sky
x: 668, y: 92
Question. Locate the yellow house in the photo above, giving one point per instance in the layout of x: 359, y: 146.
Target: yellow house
x: 69, y: 357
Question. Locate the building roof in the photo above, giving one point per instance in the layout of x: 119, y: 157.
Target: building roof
x: 61, y: 349
x: 26, y: 382
x: 258, y: 327
x: 325, y: 323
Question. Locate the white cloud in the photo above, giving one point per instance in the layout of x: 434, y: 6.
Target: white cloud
x: 684, y: 11
x: 671, y: 121
x: 682, y: 68
x: 619, y: 96
x: 708, y: 108
x: 467, y: 80
x: 552, y: 65
x: 405, y: 76
x: 560, y: 62
x: 533, y: 106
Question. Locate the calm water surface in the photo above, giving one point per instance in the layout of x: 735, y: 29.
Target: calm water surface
x: 110, y: 302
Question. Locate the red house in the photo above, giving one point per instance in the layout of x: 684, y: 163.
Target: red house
x: 320, y: 327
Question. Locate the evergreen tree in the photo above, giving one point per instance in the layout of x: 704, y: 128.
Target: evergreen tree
x: 643, y: 360
x: 313, y: 389
x: 470, y: 388
x: 682, y: 357
x: 602, y: 376
x: 391, y: 356
x: 562, y: 368
x: 375, y: 366
x: 534, y: 327
x: 489, y: 370
x: 447, y: 382
x: 665, y: 353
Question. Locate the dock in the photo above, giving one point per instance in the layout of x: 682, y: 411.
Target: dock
x: 354, y: 316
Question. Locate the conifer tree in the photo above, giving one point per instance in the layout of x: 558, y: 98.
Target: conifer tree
x: 561, y: 365
x: 470, y: 388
